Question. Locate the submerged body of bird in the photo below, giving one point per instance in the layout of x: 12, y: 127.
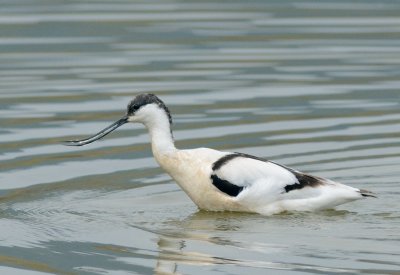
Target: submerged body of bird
x: 224, y: 181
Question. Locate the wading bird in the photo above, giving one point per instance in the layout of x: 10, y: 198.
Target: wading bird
x: 224, y: 181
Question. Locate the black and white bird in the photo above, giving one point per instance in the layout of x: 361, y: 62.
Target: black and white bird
x: 225, y: 181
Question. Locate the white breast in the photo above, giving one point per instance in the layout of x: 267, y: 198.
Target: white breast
x: 191, y: 169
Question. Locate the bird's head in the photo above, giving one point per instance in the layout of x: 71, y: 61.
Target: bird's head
x: 147, y: 109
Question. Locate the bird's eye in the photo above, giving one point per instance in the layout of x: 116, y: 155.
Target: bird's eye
x: 132, y: 108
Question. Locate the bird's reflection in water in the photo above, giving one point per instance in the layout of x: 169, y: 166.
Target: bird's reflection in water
x: 203, y: 237
x: 196, y: 229
x: 172, y: 253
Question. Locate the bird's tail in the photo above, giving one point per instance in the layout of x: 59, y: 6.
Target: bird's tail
x: 366, y: 193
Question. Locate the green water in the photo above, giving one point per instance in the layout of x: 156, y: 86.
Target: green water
x: 314, y: 85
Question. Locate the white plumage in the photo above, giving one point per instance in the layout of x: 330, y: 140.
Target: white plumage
x: 223, y: 181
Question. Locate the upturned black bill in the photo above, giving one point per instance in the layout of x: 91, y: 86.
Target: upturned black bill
x: 99, y: 135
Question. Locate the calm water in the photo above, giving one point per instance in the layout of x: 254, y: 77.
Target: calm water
x: 312, y: 85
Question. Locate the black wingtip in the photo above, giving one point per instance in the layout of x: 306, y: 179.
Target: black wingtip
x: 366, y: 193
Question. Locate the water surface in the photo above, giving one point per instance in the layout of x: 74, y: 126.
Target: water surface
x: 312, y: 85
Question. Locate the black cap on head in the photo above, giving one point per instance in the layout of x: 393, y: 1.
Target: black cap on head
x: 144, y: 99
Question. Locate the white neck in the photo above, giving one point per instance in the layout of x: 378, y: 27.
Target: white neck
x: 162, y: 141
x: 157, y: 123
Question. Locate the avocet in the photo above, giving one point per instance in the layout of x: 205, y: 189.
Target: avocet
x: 226, y: 181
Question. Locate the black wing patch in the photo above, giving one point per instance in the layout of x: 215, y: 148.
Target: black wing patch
x: 304, y: 180
x: 225, y: 159
x: 225, y: 186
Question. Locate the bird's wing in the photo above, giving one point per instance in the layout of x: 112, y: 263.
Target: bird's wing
x: 238, y: 174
